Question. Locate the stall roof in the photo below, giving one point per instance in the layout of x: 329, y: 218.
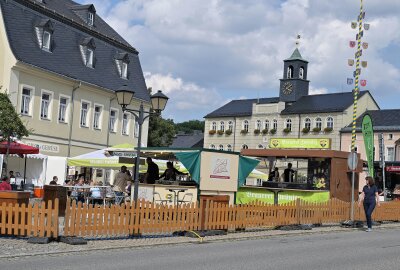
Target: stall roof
x: 294, y: 153
x: 168, y: 153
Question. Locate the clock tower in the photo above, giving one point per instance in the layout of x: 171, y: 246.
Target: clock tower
x: 294, y: 83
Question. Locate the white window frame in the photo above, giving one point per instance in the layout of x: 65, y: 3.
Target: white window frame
x: 266, y: 124
x: 318, y: 123
x: 115, y: 127
x: 258, y: 124
x: 46, y: 45
x: 31, y: 99
x: 307, y: 124
x: 89, y: 57
x: 212, y: 146
x: 229, y: 147
x: 288, y: 124
x: 245, y: 125
x: 87, y: 114
x: 245, y: 146
x: 222, y: 125
x: 66, y: 113
x: 100, y: 120
x: 275, y: 124
x: 221, y: 147
x: 230, y: 125
x: 123, y: 131
x: 260, y: 146
x: 390, y: 136
x: 327, y: 122
x: 124, y: 70
x: 91, y: 18
x: 213, y: 126
x: 49, y: 106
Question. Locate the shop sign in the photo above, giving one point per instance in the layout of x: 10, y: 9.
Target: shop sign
x: 220, y: 168
x: 323, y: 143
x: 393, y: 168
x: 43, y: 147
x: 248, y: 195
x: 123, y: 153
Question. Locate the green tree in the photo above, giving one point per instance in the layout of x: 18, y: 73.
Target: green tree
x: 189, y: 126
x: 10, y: 123
x: 161, y: 131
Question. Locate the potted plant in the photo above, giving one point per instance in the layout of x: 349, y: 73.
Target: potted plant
x: 244, y: 131
x: 286, y: 130
x: 328, y: 129
x: 305, y: 130
x: 220, y: 132
x: 228, y: 132
x: 256, y: 131
x: 264, y: 131
x: 272, y: 131
x: 212, y: 132
x: 316, y: 129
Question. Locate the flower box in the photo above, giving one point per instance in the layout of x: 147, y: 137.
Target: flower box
x: 305, y: 130
x: 328, y: 129
x: 220, y: 132
x: 272, y: 131
x: 286, y: 130
x: 264, y: 131
x: 228, y: 132
x: 212, y: 132
x: 256, y: 131
x: 316, y: 129
x: 243, y: 131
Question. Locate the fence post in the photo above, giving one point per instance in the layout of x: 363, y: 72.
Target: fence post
x: 298, y: 211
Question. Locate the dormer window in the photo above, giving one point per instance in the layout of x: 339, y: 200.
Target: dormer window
x: 122, y: 62
x: 90, y: 18
x: 87, y: 48
x: 44, y: 34
x: 46, y: 40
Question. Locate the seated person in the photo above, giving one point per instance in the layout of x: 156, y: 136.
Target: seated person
x: 5, y: 184
x: 95, y: 193
x: 171, y: 172
x: 78, y: 193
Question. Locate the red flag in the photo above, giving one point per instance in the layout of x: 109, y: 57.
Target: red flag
x: 363, y: 83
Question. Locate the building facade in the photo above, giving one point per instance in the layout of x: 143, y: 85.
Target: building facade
x: 61, y: 64
x: 252, y: 123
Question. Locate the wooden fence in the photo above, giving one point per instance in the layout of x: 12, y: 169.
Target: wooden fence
x: 31, y: 220
x: 98, y: 221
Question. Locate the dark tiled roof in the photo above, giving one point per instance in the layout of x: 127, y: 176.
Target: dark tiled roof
x: 65, y: 58
x: 188, y: 141
x: 382, y: 120
x: 241, y: 107
x: 336, y: 102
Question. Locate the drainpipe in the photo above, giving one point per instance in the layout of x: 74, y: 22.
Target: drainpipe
x: 71, y: 114
x: 109, y: 117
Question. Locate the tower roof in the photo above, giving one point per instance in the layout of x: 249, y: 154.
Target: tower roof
x: 296, y: 56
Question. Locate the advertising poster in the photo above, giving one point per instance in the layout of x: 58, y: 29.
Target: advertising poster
x: 220, y: 168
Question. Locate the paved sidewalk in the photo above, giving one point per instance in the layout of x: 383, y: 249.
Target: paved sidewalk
x: 18, y: 247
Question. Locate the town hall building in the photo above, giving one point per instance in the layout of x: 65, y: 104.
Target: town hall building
x: 252, y: 123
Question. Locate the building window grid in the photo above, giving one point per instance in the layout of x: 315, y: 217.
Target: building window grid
x: 230, y: 125
x: 84, y: 113
x: 258, y: 124
x: 212, y: 146
x: 307, y: 123
x: 275, y: 124
x: 97, y: 117
x: 329, y: 122
x: 222, y: 126
x: 113, y: 119
x: 26, y: 101
x: 46, y: 40
x: 266, y: 124
x: 124, y: 70
x: 246, y: 125
x: 90, y: 18
x: 125, y: 124
x: 318, y: 123
x: 260, y: 146
x: 289, y: 124
x: 62, y: 110
x: 44, y: 107
x: 221, y: 147
x: 214, y: 126
x: 89, y: 57
x: 229, y: 147
x: 244, y: 146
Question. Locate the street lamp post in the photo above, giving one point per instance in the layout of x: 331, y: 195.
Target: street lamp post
x: 158, y: 102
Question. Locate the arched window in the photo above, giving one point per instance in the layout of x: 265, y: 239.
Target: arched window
x: 289, y: 74
x: 221, y: 147
x: 289, y: 124
x: 246, y: 125
x: 275, y: 124
x: 318, y: 123
x: 222, y: 126
x: 230, y: 125
x: 244, y: 146
x: 212, y: 146
x: 307, y: 123
x: 260, y: 146
x: 266, y: 124
x: 301, y: 73
x: 258, y: 124
x: 214, y: 126
x: 329, y: 122
x: 229, y: 147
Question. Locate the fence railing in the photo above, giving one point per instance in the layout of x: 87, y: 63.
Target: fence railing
x: 29, y: 220
x: 148, y: 218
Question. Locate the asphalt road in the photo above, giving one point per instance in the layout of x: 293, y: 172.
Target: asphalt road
x: 379, y: 249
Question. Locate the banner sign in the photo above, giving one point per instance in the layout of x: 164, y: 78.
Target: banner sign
x: 323, y: 143
x: 248, y: 195
x: 393, y: 169
x: 368, y: 134
x: 349, y: 81
x: 220, y: 168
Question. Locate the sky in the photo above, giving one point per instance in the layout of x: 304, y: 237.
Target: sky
x: 203, y: 54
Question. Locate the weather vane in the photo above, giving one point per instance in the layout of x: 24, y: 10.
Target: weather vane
x: 298, y: 40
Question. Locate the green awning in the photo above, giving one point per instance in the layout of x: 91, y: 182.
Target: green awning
x: 191, y: 161
x: 246, y: 166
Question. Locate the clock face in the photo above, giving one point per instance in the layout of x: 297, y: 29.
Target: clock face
x: 287, y: 88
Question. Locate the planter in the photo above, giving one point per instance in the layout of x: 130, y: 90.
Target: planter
x: 328, y: 129
x: 286, y: 130
x: 305, y: 130
x: 272, y: 131
x: 228, y: 132
x: 316, y: 129
x: 256, y: 131
x: 243, y: 131
x: 264, y: 131
x: 212, y: 132
x: 220, y: 132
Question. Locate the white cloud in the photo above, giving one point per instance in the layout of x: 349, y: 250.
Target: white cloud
x: 317, y: 91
